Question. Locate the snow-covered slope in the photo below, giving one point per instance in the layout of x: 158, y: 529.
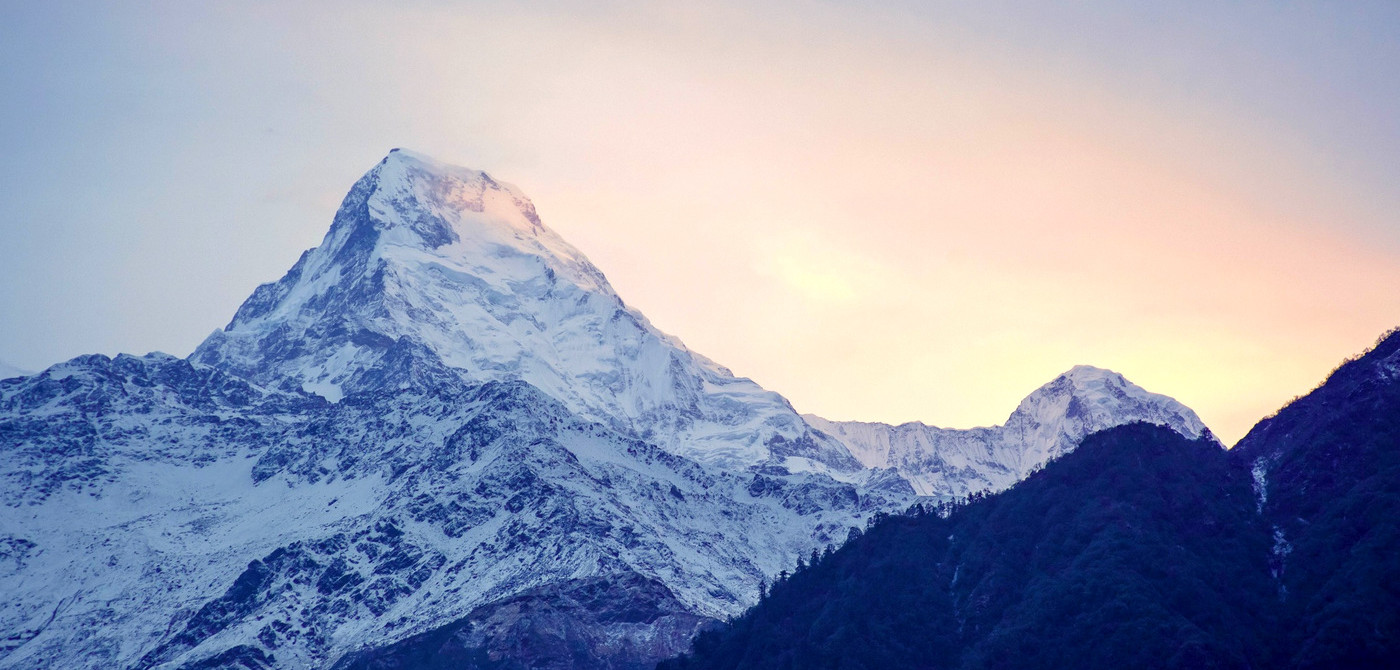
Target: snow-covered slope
x: 1047, y: 424
x: 453, y: 261
x: 440, y: 418
x: 441, y: 410
x: 159, y: 513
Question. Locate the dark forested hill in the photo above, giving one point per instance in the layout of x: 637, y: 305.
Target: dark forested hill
x: 1327, y: 471
x: 1139, y: 549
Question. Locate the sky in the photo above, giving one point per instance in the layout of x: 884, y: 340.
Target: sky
x: 911, y: 211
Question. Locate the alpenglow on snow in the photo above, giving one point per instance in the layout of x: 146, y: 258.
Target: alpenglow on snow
x: 440, y: 413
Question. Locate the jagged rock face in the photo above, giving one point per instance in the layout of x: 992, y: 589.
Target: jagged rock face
x: 65, y: 429
x: 618, y: 622
x: 452, y: 261
x: 1050, y: 422
x: 442, y: 407
x: 162, y: 514
x: 441, y: 414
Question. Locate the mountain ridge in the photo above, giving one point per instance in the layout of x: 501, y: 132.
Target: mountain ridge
x: 1138, y: 549
x: 434, y: 417
x: 454, y: 261
x: 1045, y: 425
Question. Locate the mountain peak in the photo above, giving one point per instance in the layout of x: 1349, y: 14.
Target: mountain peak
x: 432, y: 256
x: 453, y: 270
x: 1089, y: 372
x: 417, y: 201
x: 1086, y: 399
x: 1048, y: 423
x: 412, y: 218
x: 1102, y: 387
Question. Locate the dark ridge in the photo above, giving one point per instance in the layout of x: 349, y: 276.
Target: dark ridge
x: 1329, y: 469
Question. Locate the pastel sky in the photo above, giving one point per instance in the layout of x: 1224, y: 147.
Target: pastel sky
x: 917, y: 211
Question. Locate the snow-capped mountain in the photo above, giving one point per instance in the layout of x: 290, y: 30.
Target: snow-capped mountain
x: 428, y: 255
x: 1047, y: 424
x: 159, y: 513
x: 442, y: 407
x: 439, y: 421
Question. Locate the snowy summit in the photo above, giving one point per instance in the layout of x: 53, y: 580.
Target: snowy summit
x: 443, y: 418
x: 449, y: 263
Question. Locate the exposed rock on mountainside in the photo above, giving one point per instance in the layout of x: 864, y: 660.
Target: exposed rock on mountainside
x: 441, y: 427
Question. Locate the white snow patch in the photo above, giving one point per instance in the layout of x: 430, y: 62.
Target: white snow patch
x: 1260, y: 471
x: 1281, y: 549
x: 328, y: 390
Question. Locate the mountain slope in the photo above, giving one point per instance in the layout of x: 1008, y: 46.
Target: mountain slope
x: 439, y: 411
x: 161, y: 513
x: 1327, y: 473
x: 625, y: 623
x: 440, y: 427
x: 1047, y: 424
x: 1139, y: 549
x: 451, y: 260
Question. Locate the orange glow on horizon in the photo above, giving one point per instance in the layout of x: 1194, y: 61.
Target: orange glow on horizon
x: 893, y: 212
